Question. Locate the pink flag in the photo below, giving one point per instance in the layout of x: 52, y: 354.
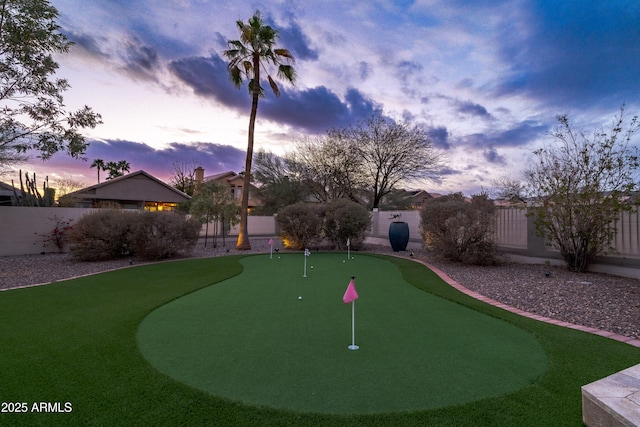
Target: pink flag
x: 350, y: 295
x: 270, y: 242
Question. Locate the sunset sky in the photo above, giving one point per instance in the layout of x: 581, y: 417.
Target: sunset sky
x: 485, y: 78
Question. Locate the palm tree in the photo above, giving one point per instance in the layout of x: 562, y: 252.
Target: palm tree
x: 117, y: 169
x: 98, y: 163
x: 247, y: 56
x: 124, y: 166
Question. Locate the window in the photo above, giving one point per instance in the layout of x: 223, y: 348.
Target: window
x: 159, y: 206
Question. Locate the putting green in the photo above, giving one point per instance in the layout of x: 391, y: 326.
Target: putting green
x: 250, y: 339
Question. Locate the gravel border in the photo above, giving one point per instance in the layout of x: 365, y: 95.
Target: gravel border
x: 601, y: 301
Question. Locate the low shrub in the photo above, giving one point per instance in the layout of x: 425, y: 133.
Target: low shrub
x: 300, y: 224
x: 160, y: 235
x: 460, y: 230
x: 101, y: 235
x: 346, y: 220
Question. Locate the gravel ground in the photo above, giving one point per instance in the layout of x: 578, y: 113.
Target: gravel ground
x: 601, y: 301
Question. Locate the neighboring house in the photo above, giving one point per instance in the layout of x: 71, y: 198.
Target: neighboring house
x: 137, y: 190
x: 235, y: 181
x: 418, y: 197
x: 6, y: 194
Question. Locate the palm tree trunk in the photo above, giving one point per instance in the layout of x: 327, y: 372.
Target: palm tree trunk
x: 243, y: 234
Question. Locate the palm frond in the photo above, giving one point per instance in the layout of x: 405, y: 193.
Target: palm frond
x: 248, y: 67
x: 274, y: 86
x: 287, y: 72
x: 260, y: 89
x: 236, y: 76
x: 258, y: 39
x: 285, y: 54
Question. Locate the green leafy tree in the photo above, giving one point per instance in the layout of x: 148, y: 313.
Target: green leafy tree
x: 33, y: 114
x: 213, y: 202
x: 248, y: 56
x: 580, y: 185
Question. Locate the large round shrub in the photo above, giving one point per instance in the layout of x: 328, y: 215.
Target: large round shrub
x: 160, y: 235
x: 346, y: 220
x: 300, y: 224
x: 102, y: 234
x: 459, y: 229
x: 109, y: 234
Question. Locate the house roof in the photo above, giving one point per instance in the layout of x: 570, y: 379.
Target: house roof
x: 220, y: 176
x: 228, y: 177
x: 7, y: 189
x: 138, y: 185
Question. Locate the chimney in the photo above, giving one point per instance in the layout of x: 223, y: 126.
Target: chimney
x: 199, y: 175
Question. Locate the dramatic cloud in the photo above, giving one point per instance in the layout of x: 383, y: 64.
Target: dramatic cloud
x: 519, y: 135
x: 472, y: 109
x: 141, y: 61
x: 318, y: 109
x: 314, y: 110
x: 209, y: 77
x: 88, y: 44
x: 294, y: 39
x: 364, y: 70
x: 486, y: 78
x: 575, y: 53
x: 440, y: 137
x: 214, y: 158
x: 492, y: 156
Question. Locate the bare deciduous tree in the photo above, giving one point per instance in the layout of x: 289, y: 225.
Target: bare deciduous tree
x: 279, y: 185
x: 394, y: 152
x: 508, y: 189
x: 184, y: 177
x: 581, y: 185
x: 330, y: 165
x: 65, y: 186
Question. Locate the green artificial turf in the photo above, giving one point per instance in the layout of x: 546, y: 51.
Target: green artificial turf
x: 252, y: 340
x: 76, y: 342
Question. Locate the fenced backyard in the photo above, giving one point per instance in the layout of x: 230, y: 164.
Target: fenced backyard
x: 22, y: 230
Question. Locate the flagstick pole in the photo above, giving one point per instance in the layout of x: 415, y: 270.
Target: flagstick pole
x: 305, y: 266
x: 353, y: 345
